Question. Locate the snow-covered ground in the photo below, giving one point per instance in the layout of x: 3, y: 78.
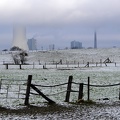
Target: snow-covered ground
x: 73, y: 63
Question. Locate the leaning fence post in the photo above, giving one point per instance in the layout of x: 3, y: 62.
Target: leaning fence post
x: 28, y: 90
x: 88, y: 88
x: 80, y: 95
x: 68, y: 88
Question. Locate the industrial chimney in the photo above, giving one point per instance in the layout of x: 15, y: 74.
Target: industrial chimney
x: 95, y: 40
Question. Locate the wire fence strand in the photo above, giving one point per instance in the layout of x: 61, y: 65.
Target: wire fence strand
x: 50, y: 85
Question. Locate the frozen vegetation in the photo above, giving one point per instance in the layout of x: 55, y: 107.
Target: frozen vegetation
x: 73, y: 63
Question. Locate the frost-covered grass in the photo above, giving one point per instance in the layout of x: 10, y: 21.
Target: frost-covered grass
x: 100, y: 75
x: 54, y: 76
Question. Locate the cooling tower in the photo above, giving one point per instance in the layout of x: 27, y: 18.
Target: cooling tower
x: 19, y: 37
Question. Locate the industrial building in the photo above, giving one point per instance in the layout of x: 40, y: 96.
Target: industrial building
x: 32, y: 44
x: 51, y: 47
x: 76, y: 45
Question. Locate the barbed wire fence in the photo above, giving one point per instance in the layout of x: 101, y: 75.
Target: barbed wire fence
x: 69, y: 89
x: 23, y: 89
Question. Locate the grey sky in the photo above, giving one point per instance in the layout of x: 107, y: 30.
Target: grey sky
x: 61, y: 21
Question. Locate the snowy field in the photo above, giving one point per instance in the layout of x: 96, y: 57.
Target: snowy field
x: 73, y: 63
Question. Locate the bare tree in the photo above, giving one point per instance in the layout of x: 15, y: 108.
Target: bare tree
x: 23, y: 58
x: 15, y: 48
x: 20, y: 57
x: 16, y: 59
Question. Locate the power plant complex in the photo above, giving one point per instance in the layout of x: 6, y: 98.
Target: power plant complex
x: 20, y: 40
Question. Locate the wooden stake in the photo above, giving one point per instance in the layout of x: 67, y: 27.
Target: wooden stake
x: 78, y: 64
x: 28, y: 90
x: 119, y: 92
x: 20, y: 66
x: 6, y: 66
x: 69, y: 88
x: 88, y: 88
x: 80, y: 95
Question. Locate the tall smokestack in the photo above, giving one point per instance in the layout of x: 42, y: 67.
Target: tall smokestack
x: 95, y: 40
x: 19, y: 37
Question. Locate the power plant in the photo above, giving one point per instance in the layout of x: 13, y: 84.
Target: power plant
x: 19, y: 37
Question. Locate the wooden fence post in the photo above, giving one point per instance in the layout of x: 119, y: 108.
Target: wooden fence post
x: 39, y: 62
x: 96, y: 64
x: 92, y: 61
x: 119, y: 92
x: 101, y: 62
x: 78, y: 64
x: 80, y: 95
x: 88, y: 88
x: 67, y: 64
x: 6, y: 66
x: 68, y: 88
x: 28, y: 90
x: 56, y: 64
x: 20, y: 66
x: 33, y: 65
x: 45, y: 65
x: 88, y: 64
x: 83, y: 62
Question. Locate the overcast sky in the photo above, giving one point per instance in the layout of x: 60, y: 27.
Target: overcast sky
x: 61, y: 21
